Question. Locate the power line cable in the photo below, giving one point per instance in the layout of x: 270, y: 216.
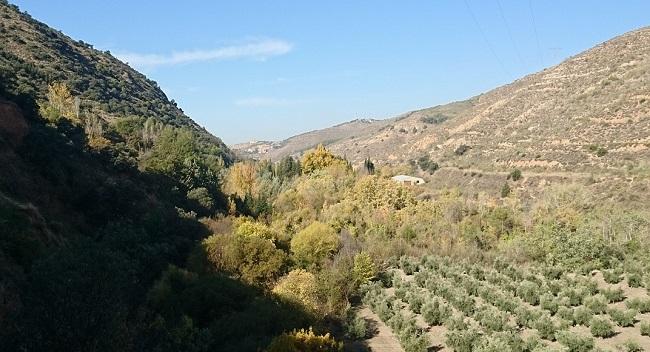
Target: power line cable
x: 532, y: 16
x: 512, y: 39
x: 487, y: 42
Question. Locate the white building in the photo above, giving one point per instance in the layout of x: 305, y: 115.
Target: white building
x: 408, y: 180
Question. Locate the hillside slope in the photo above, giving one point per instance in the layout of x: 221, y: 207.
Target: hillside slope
x: 34, y: 55
x: 101, y: 185
x: 300, y: 143
x: 591, y: 113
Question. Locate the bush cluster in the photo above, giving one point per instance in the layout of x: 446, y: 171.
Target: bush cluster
x: 601, y: 327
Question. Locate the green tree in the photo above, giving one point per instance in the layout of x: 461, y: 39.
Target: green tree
x: 202, y: 196
x: 369, y: 166
x: 178, y: 155
x: 254, y: 260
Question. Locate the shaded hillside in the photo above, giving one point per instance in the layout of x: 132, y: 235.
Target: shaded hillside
x: 35, y: 55
x: 589, y: 113
x: 102, y: 185
x: 296, y: 145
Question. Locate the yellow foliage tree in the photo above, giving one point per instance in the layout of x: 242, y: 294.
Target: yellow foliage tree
x: 315, y: 243
x: 247, y: 227
x: 300, y: 287
x: 60, y: 103
x: 241, y: 179
x: 319, y: 159
x: 304, y: 341
x: 364, y: 268
x: 378, y: 192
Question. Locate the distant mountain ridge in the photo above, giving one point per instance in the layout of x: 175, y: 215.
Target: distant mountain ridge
x: 298, y: 144
x: 590, y: 113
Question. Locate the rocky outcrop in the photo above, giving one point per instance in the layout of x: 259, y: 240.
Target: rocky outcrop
x: 13, y: 126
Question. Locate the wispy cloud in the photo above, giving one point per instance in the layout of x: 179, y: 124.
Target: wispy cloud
x: 257, y: 50
x: 256, y: 102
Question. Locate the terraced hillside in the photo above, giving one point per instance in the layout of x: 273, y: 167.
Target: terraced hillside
x: 591, y: 112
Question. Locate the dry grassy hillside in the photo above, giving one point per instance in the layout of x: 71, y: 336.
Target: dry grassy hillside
x: 590, y: 113
x: 296, y: 145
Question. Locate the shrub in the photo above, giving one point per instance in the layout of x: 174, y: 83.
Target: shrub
x: 456, y: 322
x: 407, y: 265
x: 645, y: 328
x: 532, y: 343
x: 553, y: 272
x: 554, y: 286
x: 415, y: 301
x: 413, y: 339
x: 492, y: 319
x: 613, y: 294
x: 385, y: 278
x: 545, y: 327
x: 622, y: 318
x: 400, y: 292
x: 529, y: 292
x: 639, y: 304
x: 566, y: 313
x: 463, y: 340
x: 548, y: 302
x: 612, y: 276
x: 462, y: 149
x: 575, y: 296
x: 515, y: 175
x: 356, y: 327
x: 505, y: 190
x: 526, y: 317
x: 635, y: 280
x: 304, y: 341
x: 631, y: 346
x: 601, y: 327
x: 582, y: 315
x: 574, y: 342
x: 597, y: 304
x: 465, y: 304
x: 436, y: 312
x: 591, y: 286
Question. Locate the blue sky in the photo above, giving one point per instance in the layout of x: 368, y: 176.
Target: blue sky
x: 271, y: 69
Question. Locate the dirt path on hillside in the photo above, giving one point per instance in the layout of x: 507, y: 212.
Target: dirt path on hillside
x: 526, y: 173
x: 382, y: 340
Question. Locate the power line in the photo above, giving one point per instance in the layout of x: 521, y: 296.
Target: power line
x: 532, y: 16
x: 512, y: 39
x: 487, y: 42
